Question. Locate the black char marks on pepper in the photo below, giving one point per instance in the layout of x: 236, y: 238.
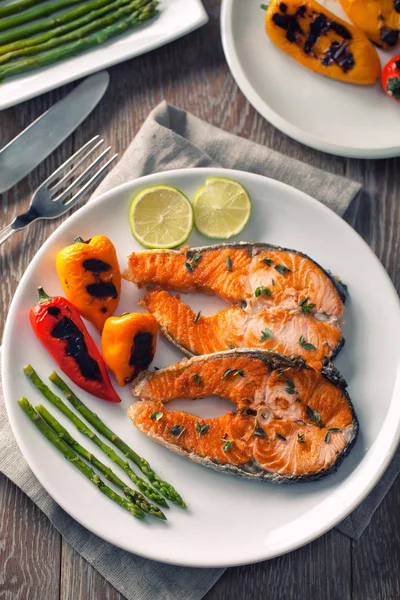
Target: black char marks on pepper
x: 95, y: 265
x: 338, y: 51
x: 76, y: 348
x: 102, y: 289
x: 389, y: 36
x: 54, y: 311
x: 142, y: 350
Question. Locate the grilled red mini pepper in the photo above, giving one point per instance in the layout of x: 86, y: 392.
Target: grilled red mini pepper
x: 59, y: 327
x: 391, y: 78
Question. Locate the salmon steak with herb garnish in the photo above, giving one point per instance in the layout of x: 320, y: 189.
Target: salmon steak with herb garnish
x: 292, y: 423
x: 280, y: 299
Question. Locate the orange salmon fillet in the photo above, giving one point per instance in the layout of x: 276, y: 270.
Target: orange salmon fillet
x: 291, y: 422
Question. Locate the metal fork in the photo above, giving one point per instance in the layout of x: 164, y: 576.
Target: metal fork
x: 52, y: 198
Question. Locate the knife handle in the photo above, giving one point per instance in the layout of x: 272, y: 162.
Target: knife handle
x: 5, y: 233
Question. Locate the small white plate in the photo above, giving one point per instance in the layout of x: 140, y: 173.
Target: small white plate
x: 344, y: 119
x: 230, y: 520
x: 176, y: 19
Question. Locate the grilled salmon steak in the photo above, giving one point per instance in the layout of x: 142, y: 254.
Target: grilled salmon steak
x: 282, y: 300
x: 292, y: 423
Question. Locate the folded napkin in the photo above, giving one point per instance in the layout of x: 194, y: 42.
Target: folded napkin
x: 173, y: 139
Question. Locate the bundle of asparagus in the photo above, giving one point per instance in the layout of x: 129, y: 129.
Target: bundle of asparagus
x: 24, y: 33
x: 136, y: 504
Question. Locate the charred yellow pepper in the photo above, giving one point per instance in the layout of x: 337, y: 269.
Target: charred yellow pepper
x: 128, y: 344
x: 379, y: 19
x: 322, y: 42
x: 90, y: 277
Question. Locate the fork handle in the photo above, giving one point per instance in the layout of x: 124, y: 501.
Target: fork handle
x: 5, y: 233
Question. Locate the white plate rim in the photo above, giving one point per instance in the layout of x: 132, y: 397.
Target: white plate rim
x: 261, y: 106
x: 386, y: 441
x: 28, y: 93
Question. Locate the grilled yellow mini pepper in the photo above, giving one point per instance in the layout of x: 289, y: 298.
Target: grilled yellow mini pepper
x: 322, y: 42
x: 90, y: 277
x: 379, y: 19
x: 128, y: 344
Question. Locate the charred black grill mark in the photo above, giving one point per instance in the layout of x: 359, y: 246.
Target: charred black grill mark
x: 142, y: 350
x: 95, y: 265
x: 102, y: 289
x: 76, y: 348
x: 54, y: 311
x: 389, y: 36
x: 338, y: 52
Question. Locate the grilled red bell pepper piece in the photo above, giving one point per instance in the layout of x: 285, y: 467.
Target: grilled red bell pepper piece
x: 59, y: 327
x: 391, y: 78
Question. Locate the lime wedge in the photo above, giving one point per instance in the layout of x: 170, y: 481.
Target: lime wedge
x: 221, y: 208
x: 161, y: 217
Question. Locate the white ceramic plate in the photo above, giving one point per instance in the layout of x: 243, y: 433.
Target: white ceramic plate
x: 176, y: 18
x: 340, y: 118
x: 230, y: 520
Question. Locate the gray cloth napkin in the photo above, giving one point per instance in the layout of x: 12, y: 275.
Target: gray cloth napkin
x: 170, y: 139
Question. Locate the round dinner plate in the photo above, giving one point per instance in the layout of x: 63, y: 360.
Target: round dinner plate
x: 328, y: 115
x: 230, y: 520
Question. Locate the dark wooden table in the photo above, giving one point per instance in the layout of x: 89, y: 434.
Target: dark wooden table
x: 35, y: 563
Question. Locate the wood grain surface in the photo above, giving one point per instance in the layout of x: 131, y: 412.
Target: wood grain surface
x: 35, y: 563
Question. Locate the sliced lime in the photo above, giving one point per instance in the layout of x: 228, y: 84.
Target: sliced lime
x: 161, y: 217
x: 222, y: 208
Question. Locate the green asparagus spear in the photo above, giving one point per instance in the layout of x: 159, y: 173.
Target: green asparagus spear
x: 164, y: 487
x: 18, y: 7
x: 143, y: 486
x: 75, y: 460
x: 136, y: 497
x: 77, y: 34
x: 70, y: 26
x: 36, y: 13
x: 74, y: 48
x: 49, y: 24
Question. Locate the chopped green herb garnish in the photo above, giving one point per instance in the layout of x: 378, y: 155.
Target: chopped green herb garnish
x: 313, y: 415
x: 229, y: 263
x: 177, y: 430
x: 233, y: 372
x: 266, y: 334
x: 197, y: 377
x: 300, y: 438
x: 262, y: 290
x: 282, y: 269
x: 290, y: 387
x: 226, y: 445
x: 190, y: 264
x: 273, y: 282
x: 196, y: 257
x: 267, y: 261
x: 156, y: 416
x: 189, y: 267
x: 306, y: 306
x: 202, y: 428
x: 231, y: 346
x: 197, y: 317
x: 259, y: 431
x: 328, y: 435
x: 305, y: 344
x: 280, y: 436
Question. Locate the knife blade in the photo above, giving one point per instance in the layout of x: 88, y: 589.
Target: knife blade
x: 20, y: 156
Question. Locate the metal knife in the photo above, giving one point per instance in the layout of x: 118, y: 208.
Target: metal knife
x: 20, y: 156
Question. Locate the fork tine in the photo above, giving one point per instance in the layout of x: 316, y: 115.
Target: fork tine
x: 75, y: 166
x: 81, y: 178
x: 68, y: 162
x: 89, y: 183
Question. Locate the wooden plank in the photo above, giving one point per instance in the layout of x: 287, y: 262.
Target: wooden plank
x: 29, y: 548
x: 80, y: 581
x: 376, y: 555
x: 321, y: 569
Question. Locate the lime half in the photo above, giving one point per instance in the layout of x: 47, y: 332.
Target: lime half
x: 161, y: 217
x: 221, y: 208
